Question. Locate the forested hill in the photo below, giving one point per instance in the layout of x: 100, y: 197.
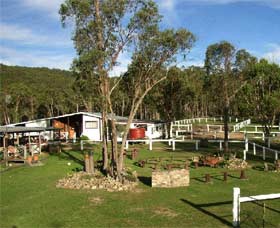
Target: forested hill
x: 34, y: 75
x: 28, y: 93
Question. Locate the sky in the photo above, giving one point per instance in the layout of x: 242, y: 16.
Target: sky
x: 31, y: 33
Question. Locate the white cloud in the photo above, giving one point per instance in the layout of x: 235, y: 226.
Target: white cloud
x: 170, y: 4
x: 11, y: 56
x: 23, y: 35
x: 273, y: 55
x: 51, y: 7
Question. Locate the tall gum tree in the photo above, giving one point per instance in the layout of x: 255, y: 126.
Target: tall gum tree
x: 104, y: 29
x: 226, y: 66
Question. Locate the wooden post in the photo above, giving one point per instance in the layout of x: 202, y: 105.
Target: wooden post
x: 91, y: 162
x: 151, y: 144
x: 39, y: 143
x: 254, y: 148
x: 244, y: 155
x: 268, y: 142
x: 196, y: 145
x: 24, y: 152
x: 225, y: 176
x: 207, y: 127
x: 221, y: 145
x: 17, y: 139
x: 242, y: 175
x: 86, y: 157
x: 263, y: 153
x: 236, y: 207
x: 276, y: 155
x: 207, y: 178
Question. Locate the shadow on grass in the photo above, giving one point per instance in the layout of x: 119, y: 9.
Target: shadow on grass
x: 69, y: 156
x: 200, y: 208
x: 146, y: 180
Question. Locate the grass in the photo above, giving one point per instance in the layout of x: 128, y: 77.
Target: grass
x: 29, y: 197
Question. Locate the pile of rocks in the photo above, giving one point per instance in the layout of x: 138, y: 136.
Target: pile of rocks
x: 236, y: 163
x: 83, y: 180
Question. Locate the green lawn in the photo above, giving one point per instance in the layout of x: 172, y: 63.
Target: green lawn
x: 29, y: 197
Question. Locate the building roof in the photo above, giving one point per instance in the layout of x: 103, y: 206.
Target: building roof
x: 57, y: 117
x: 24, y: 129
x: 120, y: 119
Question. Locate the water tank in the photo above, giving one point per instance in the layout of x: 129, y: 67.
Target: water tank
x: 136, y: 133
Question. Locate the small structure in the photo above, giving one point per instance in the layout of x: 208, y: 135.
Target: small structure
x: 17, y: 142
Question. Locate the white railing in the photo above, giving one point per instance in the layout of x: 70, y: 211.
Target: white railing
x: 171, y: 142
x: 237, y: 200
x: 208, y: 126
x: 263, y: 149
x: 256, y: 127
x: 240, y: 125
x: 220, y: 141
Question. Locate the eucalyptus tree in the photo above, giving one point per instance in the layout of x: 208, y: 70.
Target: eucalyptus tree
x: 263, y: 94
x: 226, y: 67
x: 103, y: 29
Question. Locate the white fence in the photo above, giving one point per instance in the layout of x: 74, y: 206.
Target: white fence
x: 240, y: 125
x: 203, y: 119
x: 256, y: 127
x: 264, y: 150
x: 171, y: 142
x: 237, y: 200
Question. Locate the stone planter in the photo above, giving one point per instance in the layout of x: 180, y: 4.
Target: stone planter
x: 172, y: 178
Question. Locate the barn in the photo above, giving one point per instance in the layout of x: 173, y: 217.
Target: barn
x: 75, y: 125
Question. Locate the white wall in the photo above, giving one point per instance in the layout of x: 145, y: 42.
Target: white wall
x: 92, y: 134
x: 40, y: 123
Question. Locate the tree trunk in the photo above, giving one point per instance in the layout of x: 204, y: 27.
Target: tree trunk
x: 226, y: 127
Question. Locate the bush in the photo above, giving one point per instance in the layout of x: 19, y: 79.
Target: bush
x: 84, y: 137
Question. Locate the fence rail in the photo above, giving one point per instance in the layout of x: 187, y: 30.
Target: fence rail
x: 242, y: 124
x: 237, y: 200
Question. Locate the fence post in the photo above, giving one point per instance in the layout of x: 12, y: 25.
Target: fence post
x: 254, y: 148
x: 207, y: 127
x: 221, y: 145
x: 276, y: 155
x: 171, y: 126
x: 263, y: 137
x: 126, y: 145
x: 268, y: 142
x: 244, y: 155
x: 263, y: 153
x: 169, y: 142
x: 236, y: 207
x: 150, y: 144
x: 246, y: 144
x: 256, y: 128
x: 173, y: 144
x: 196, y: 145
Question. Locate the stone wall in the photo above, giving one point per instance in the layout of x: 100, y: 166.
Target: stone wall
x: 172, y: 178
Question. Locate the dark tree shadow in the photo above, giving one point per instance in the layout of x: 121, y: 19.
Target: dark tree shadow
x: 146, y: 180
x: 200, y: 208
x: 72, y: 157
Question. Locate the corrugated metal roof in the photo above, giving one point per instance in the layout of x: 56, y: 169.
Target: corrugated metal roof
x: 21, y: 129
